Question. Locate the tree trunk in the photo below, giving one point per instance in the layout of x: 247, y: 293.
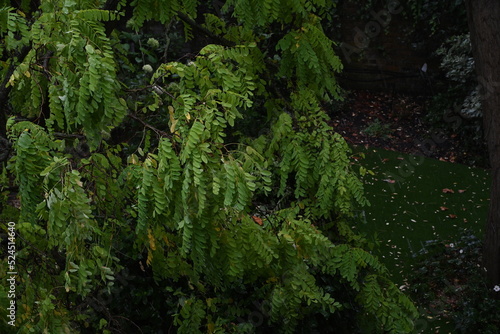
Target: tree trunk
x: 484, y: 24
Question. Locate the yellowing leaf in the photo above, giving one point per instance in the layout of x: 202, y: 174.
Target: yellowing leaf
x: 152, y: 241
x: 149, y: 259
x: 173, y: 121
x: 133, y: 159
x: 272, y: 280
x: 167, y: 242
x: 12, y: 79
x: 172, y: 126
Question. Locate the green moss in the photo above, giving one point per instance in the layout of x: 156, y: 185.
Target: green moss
x: 415, y: 199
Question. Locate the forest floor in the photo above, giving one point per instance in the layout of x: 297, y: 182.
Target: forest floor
x: 399, y: 123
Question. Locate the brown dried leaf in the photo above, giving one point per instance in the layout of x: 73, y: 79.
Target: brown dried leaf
x: 258, y: 220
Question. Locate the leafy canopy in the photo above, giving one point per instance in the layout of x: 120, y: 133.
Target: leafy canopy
x: 236, y: 199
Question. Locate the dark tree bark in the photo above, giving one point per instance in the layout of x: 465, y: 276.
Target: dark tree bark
x: 484, y: 23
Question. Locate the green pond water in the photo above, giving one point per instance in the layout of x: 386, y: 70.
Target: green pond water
x: 415, y: 199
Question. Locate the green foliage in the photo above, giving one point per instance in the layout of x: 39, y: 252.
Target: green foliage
x: 317, y: 158
x: 195, y: 220
x: 429, y: 17
x: 309, y: 48
x: 76, y: 74
x: 457, y: 61
x: 434, y: 12
x: 32, y: 155
x: 459, y: 94
x: 12, y: 24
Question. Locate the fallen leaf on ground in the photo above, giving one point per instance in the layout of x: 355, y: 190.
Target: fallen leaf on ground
x: 389, y: 181
x: 452, y: 216
x: 461, y: 190
x: 443, y: 208
x: 446, y: 190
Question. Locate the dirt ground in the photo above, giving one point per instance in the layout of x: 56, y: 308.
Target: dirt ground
x: 398, y: 123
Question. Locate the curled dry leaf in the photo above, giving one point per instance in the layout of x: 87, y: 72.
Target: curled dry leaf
x: 258, y: 220
x: 446, y: 190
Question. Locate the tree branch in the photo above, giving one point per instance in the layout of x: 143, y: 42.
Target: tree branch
x: 149, y: 126
x: 5, y: 90
x: 221, y: 40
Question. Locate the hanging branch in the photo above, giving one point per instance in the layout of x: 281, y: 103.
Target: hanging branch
x: 149, y: 126
x: 5, y: 90
x: 221, y: 40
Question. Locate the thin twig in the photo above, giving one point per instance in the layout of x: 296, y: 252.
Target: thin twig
x: 149, y: 126
x: 221, y: 40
